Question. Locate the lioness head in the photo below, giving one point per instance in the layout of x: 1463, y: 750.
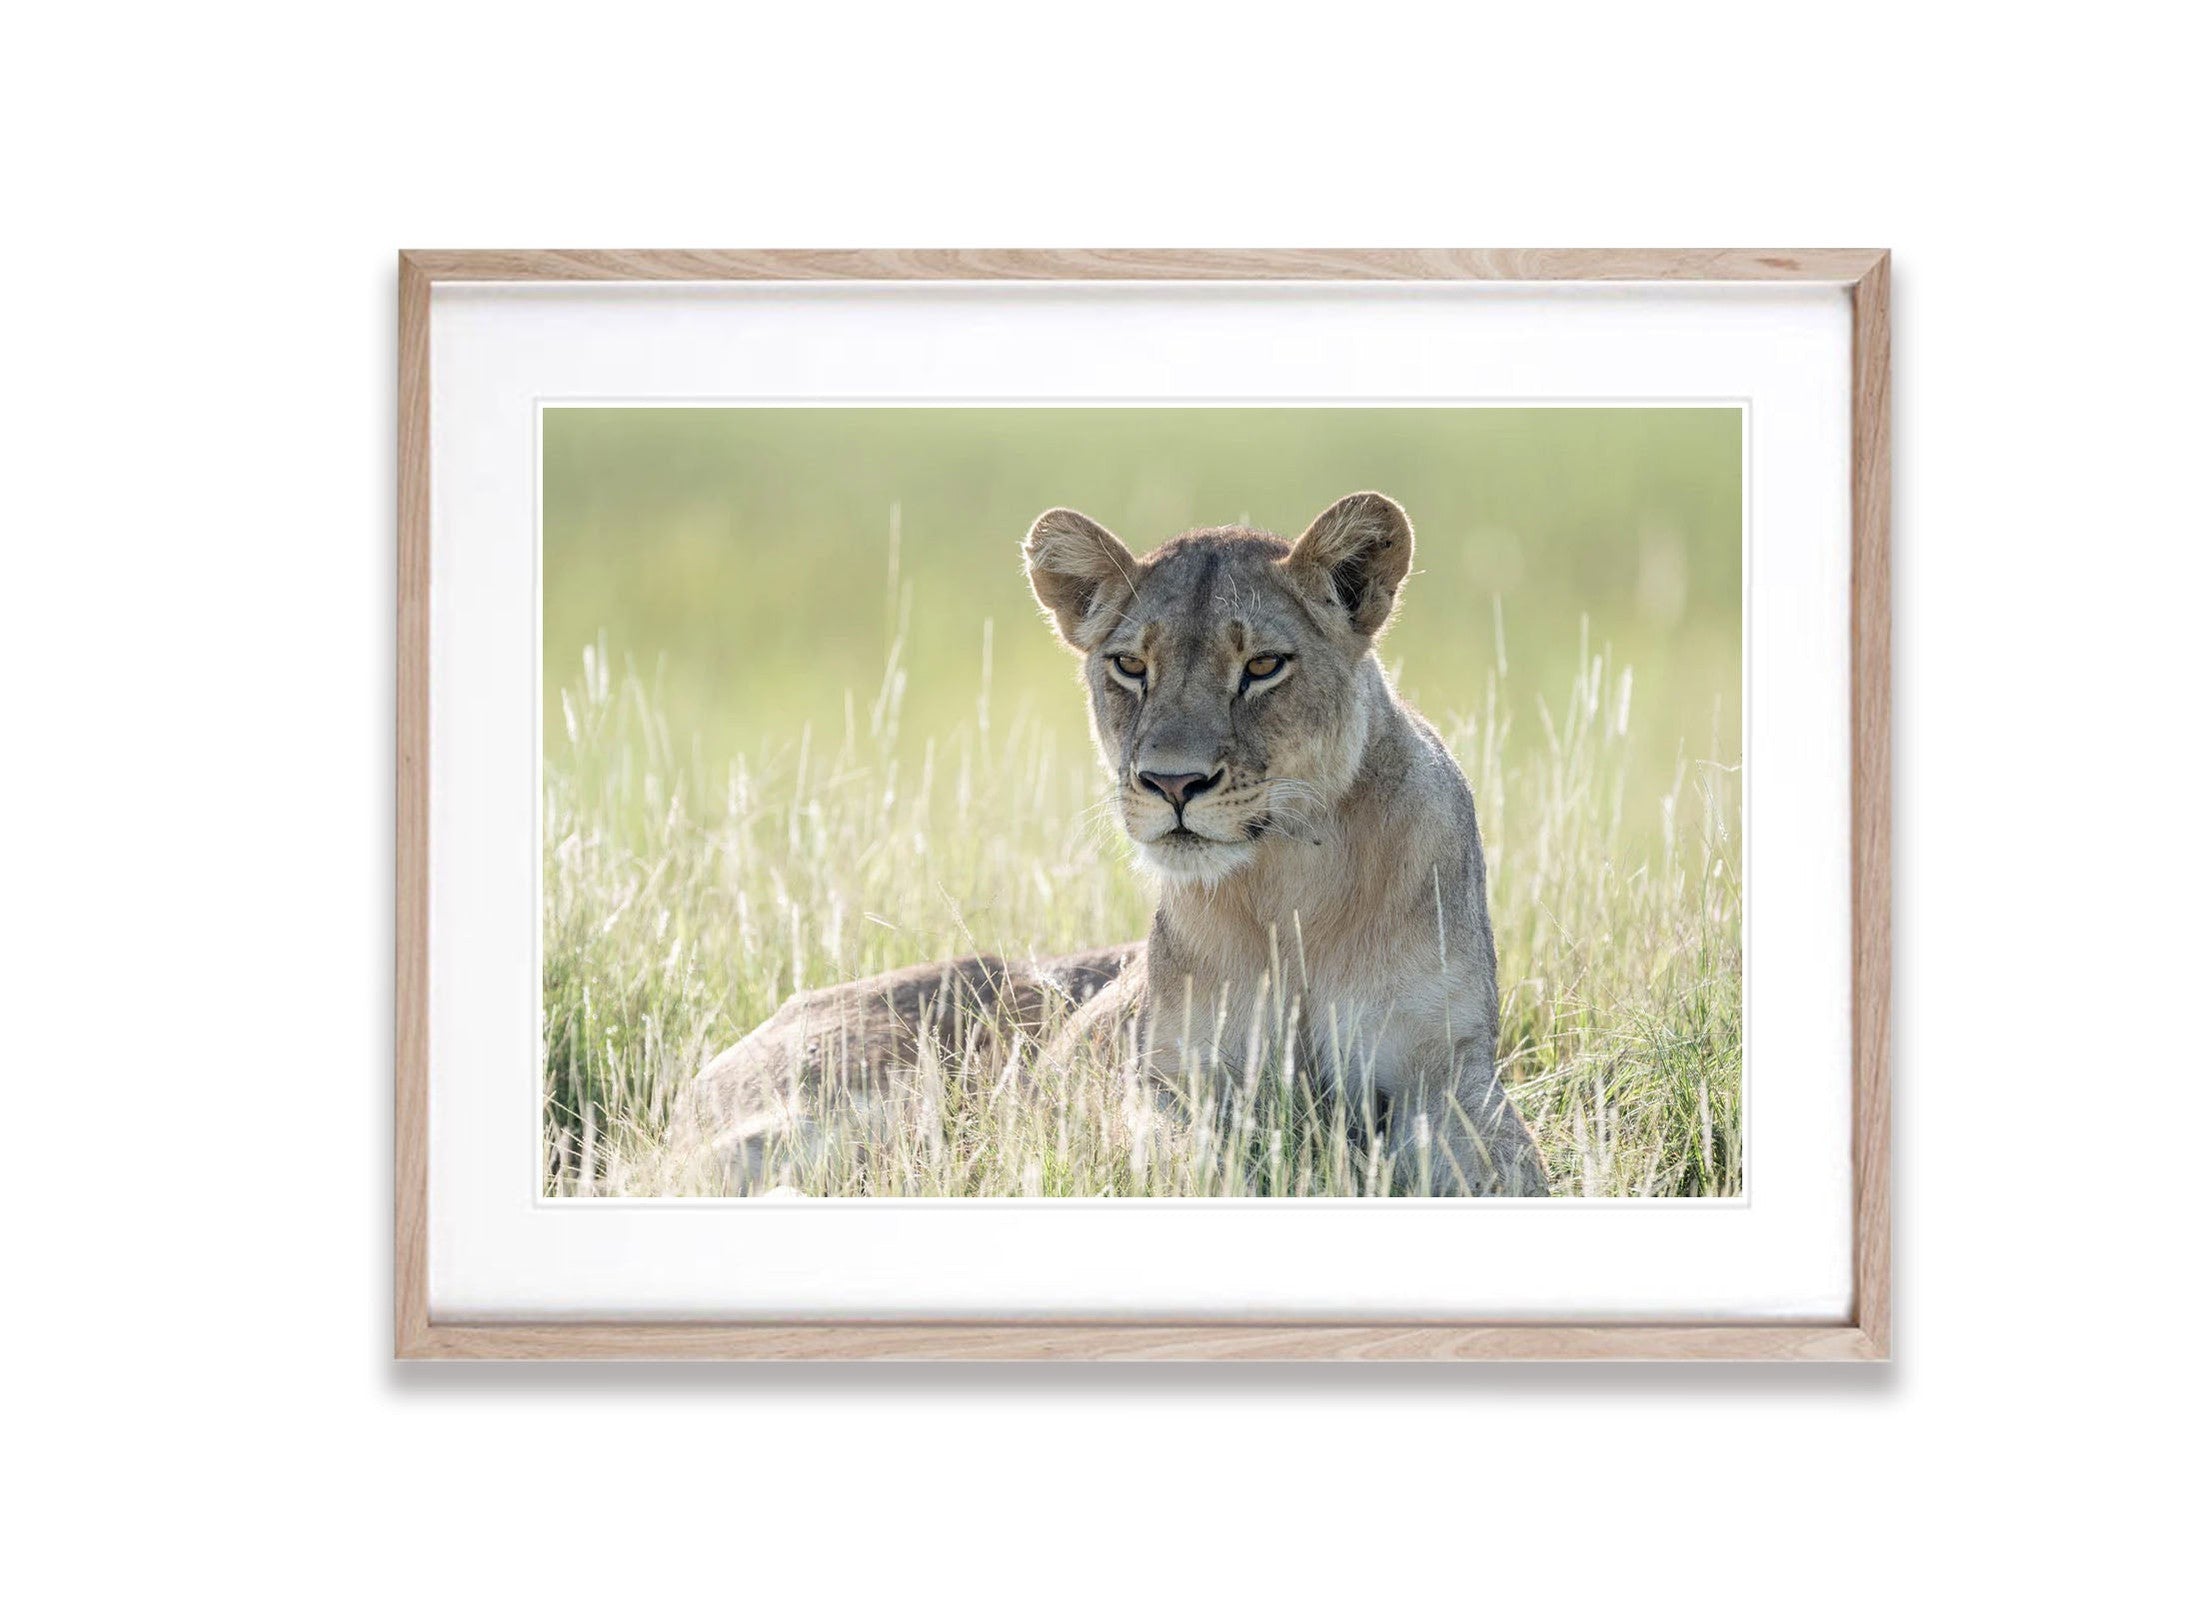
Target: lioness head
x: 1230, y: 676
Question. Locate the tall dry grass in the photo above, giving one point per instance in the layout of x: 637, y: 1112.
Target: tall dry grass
x: 685, y: 899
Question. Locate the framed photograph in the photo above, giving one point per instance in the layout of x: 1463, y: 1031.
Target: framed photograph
x: 1139, y: 804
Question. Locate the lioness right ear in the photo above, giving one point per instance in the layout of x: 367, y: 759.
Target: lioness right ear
x: 1073, y: 563
x: 1355, y: 556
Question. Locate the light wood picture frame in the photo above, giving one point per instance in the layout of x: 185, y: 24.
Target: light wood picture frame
x: 1863, y: 1335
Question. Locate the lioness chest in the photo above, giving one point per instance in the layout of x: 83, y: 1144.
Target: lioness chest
x: 1357, y: 1017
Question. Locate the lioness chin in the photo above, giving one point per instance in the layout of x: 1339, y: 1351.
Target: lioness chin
x: 1321, y: 899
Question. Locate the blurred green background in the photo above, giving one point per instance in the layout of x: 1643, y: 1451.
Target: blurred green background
x: 756, y: 563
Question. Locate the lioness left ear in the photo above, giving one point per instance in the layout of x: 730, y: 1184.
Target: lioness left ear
x: 1356, y: 556
x: 1074, y: 564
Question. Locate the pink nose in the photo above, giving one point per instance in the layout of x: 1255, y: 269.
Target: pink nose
x: 1179, y: 788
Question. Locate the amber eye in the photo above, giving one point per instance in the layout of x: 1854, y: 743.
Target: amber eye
x: 1128, y: 665
x: 1261, y: 667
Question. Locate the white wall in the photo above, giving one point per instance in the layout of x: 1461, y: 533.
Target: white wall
x: 196, y: 785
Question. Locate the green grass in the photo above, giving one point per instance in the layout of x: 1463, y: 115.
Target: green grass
x: 685, y: 902
x: 758, y: 564
x: 820, y: 733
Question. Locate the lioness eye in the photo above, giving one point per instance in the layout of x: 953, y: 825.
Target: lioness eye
x: 1262, y: 666
x: 1129, y: 665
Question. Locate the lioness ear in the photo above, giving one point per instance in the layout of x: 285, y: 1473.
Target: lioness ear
x: 1356, y: 555
x: 1072, y: 562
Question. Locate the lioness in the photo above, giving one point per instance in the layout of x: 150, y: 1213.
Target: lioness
x: 1311, y: 841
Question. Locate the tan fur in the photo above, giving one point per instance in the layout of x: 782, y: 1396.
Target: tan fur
x: 1324, y: 900
x: 837, y: 1060
x: 1318, y: 870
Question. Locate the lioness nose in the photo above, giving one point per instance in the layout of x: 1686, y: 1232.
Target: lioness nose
x: 1180, y: 788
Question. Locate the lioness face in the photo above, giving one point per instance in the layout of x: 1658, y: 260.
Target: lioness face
x: 1227, y: 671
